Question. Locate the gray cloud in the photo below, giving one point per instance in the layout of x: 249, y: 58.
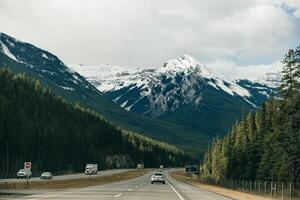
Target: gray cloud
x: 146, y: 33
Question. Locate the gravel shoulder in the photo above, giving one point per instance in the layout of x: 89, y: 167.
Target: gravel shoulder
x: 179, y: 175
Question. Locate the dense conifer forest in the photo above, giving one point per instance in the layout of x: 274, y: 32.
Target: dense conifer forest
x: 38, y: 126
x: 265, y: 145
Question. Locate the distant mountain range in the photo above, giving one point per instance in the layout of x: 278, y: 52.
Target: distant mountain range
x: 182, y: 102
x: 182, y: 91
x: 22, y: 57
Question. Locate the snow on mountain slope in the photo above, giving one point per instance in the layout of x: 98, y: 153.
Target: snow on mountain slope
x: 272, y: 80
x: 43, y: 64
x: 155, y: 91
x: 108, y: 77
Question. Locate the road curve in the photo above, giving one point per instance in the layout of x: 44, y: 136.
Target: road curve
x: 134, y: 189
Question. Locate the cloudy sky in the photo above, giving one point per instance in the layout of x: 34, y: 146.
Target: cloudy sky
x: 237, y: 38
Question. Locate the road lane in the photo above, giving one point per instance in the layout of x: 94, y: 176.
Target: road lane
x: 69, y: 176
x: 134, y: 189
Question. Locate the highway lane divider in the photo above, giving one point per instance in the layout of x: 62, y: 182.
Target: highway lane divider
x: 177, y: 193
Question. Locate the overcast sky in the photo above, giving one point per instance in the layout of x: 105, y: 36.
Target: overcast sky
x: 236, y: 38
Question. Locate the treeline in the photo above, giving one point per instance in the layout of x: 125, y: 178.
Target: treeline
x: 265, y: 145
x: 38, y: 126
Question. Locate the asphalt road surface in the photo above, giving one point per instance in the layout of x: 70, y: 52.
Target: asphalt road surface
x: 70, y: 176
x: 134, y: 189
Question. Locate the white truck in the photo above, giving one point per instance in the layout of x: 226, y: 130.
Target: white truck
x: 140, y: 166
x: 91, y: 169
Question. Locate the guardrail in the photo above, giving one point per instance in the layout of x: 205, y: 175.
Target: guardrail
x: 273, y: 190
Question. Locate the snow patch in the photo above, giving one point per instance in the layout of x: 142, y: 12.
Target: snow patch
x: 124, y: 104
x: 45, y: 56
x: 48, y: 72
x: 67, y: 88
x: 7, y: 52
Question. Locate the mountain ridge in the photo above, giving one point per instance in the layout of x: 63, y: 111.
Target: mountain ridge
x: 70, y: 85
x: 181, y: 91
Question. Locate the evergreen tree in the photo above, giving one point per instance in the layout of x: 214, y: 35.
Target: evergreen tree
x: 264, y: 145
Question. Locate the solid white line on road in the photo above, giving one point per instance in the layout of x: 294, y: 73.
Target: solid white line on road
x: 180, y: 197
x: 116, y: 196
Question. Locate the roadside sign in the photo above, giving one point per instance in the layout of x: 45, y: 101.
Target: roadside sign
x: 191, y: 168
x: 27, y: 165
x: 27, y: 168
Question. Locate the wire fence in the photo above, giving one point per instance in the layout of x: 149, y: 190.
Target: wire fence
x: 273, y: 190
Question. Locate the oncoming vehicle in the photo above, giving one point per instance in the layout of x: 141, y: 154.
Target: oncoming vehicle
x: 46, y: 175
x: 22, y: 174
x: 158, y: 177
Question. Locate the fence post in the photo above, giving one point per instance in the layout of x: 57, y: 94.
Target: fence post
x: 290, y: 191
x: 250, y: 186
x: 282, y: 186
x: 272, y: 189
x: 275, y: 189
x: 259, y: 187
x: 265, y: 188
x: 242, y: 185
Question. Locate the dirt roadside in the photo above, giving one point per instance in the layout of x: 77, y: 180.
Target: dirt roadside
x: 75, y: 183
x: 179, y: 175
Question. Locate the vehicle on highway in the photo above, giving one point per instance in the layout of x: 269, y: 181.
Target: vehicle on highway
x: 46, y: 175
x: 91, y: 169
x: 140, y: 166
x: 158, y: 177
x: 22, y: 174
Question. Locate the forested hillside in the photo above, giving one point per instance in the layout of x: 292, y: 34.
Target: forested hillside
x: 265, y: 145
x: 37, y: 126
x: 22, y: 57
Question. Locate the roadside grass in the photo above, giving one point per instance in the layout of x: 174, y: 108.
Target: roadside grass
x: 180, y: 176
x: 75, y: 183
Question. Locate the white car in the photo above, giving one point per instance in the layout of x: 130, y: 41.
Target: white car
x: 158, y: 177
x: 46, y: 175
x: 22, y: 174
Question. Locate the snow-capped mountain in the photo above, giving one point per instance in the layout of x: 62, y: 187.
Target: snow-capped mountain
x: 166, y: 88
x: 42, y: 64
x: 182, y: 102
x: 21, y: 57
x: 182, y: 91
x: 272, y: 80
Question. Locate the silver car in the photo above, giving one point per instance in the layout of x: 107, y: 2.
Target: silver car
x: 158, y: 177
x: 46, y: 175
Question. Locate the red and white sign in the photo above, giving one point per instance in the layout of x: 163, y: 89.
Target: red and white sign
x: 27, y: 165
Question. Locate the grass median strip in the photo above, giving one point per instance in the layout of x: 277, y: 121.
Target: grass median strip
x: 180, y: 176
x: 75, y: 183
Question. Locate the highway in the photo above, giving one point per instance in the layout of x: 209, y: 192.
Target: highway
x: 69, y: 176
x: 133, y: 189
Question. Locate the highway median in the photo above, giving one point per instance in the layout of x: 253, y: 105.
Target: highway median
x: 74, y: 183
